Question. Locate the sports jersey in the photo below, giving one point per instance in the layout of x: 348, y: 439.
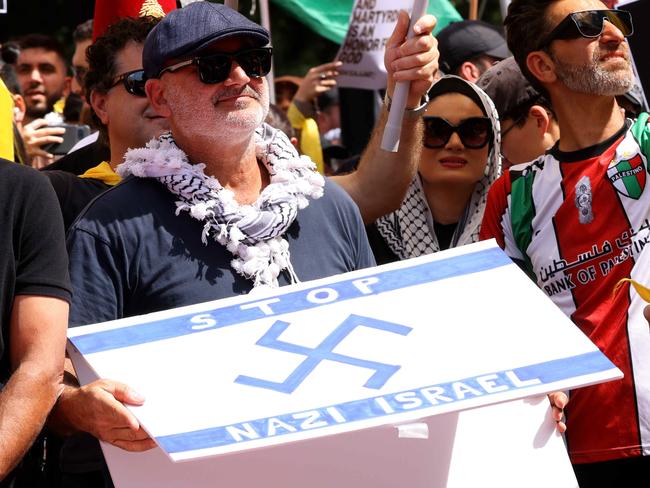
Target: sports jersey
x: 578, y: 223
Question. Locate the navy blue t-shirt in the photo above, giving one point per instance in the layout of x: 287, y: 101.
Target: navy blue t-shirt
x: 130, y: 254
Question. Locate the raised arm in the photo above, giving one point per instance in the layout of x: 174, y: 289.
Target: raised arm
x: 382, y: 178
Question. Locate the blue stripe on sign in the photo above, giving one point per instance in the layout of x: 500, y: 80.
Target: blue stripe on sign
x: 292, y: 302
x: 427, y: 397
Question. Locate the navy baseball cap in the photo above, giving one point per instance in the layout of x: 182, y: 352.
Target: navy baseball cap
x: 184, y: 32
x: 462, y: 41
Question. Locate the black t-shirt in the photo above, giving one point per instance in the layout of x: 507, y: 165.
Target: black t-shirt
x: 79, y: 161
x: 33, y: 259
x: 74, y: 193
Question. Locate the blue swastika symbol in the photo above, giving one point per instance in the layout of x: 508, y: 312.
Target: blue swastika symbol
x: 324, y: 352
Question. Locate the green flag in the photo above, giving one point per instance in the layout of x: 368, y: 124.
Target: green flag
x: 329, y: 18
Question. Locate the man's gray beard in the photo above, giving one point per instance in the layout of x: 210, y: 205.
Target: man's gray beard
x: 593, y: 79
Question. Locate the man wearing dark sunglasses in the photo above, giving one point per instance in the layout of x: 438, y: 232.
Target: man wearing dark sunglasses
x: 115, y: 87
x: 577, y: 219
x: 222, y: 203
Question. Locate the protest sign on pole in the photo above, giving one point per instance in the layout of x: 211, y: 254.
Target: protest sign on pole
x: 393, y: 129
x: 473, y: 9
x: 266, y: 23
x: 316, y: 373
x: 362, y: 51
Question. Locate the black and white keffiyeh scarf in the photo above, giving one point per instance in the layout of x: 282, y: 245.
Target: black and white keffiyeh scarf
x: 252, y: 233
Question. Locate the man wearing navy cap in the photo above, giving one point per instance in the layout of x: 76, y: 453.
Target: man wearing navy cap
x: 222, y: 203
x: 469, y: 48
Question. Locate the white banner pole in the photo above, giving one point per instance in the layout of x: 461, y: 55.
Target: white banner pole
x: 393, y: 129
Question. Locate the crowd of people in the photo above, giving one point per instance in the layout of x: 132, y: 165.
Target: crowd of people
x: 166, y: 178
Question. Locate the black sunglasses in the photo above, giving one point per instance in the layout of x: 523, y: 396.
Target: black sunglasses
x: 474, y: 132
x: 133, y: 82
x: 589, y: 24
x: 215, y: 68
x: 79, y: 73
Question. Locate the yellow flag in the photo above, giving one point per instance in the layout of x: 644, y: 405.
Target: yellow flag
x: 6, y: 123
x: 640, y: 289
x: 309, y: 136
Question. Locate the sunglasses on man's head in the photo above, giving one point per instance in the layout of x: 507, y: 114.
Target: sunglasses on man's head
x: 215, y: 68
x: 474, y: 132
x: 133, y: 82
x: 589, y: 24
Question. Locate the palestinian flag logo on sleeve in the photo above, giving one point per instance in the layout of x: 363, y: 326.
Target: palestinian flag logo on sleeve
x: 628, y: 176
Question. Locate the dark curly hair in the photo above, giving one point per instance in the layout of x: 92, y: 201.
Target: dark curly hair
x: 527, y: 23
x: 102, y: 53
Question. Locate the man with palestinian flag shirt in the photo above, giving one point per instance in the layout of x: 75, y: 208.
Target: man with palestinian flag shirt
x: 578, y: 220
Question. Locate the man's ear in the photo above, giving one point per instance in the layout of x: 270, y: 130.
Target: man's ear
x: 156, y: 94
x: 98, y: 102
x: 20, y: 108
x: 67, y: 86
x: 469, y: 71
x: 541, y: 117
x: 541, y: 66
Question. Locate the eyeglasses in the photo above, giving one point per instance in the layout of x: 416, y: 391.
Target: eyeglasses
x: 474, y: 132
x: 133, y: 82
x: 516, y: 122
x: 215, y: 68
x: 79, y: 73
x: 589, y: 24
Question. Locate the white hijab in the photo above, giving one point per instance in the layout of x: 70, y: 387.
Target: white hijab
x: 406, y: 230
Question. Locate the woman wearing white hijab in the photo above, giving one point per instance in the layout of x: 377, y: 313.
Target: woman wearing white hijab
x: 444, y: 204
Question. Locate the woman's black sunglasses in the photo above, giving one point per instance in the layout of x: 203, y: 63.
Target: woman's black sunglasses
x: 215, y: 68
x: 589, y: 24
x: 474, y: 132
x: 133, y: 82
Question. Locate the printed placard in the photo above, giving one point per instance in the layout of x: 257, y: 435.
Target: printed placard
x: 391, y: 344
x: 362, y: 52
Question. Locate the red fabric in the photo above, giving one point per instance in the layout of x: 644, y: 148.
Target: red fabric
x: 602, y: 415
x: 497, y: 203
x: 108, y: 12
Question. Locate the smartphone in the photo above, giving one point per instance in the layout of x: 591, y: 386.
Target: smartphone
x: 73, y: 134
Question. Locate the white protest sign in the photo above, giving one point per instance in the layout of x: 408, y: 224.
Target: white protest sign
x: 379, y: 346
x: 509, y: 445
x: 3, y: 6
x: 362, y: 52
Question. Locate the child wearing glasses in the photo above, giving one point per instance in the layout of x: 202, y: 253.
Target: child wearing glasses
x: 444, y: 204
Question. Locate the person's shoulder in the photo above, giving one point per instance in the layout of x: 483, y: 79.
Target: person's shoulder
x: 133, y: 196
x: 335, y: 206
x: 10, y: 168
x: 80, y: 160
x: 334, y: 193
x: 65, y: 178
x: 640, y: 125
x: 17, y: 178
x: 530, y: 168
